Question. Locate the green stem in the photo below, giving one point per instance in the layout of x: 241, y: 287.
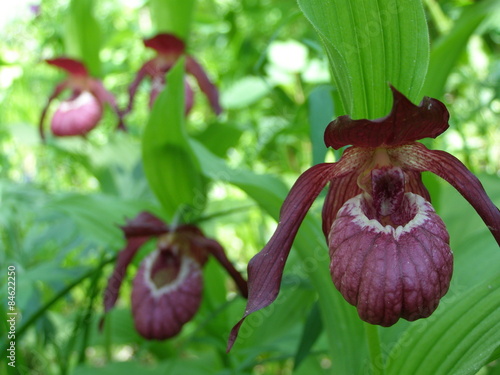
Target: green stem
x: 373, y: 341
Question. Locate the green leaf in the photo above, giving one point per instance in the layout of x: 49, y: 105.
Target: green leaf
x: 312, y: 330
x: 96, y: 216
x: 82, y: 36
x: 245, y: 92
x: 169, y: 163
x: 320, y: 113
x: 172, y: 16
x: 370, y: 44
x: 450, y: 47
x: 456, y: 339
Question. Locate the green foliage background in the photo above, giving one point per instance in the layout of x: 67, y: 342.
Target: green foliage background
x: 61, y: 202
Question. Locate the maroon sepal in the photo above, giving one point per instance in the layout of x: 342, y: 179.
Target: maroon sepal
x: 71, y: 66
x: 406, y: 123
x: 208, y: 88
x: 137, y: 231
x: 166, y: 44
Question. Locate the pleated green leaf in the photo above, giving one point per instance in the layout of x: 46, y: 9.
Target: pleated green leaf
x: 312, y: 330
x: 169, y: 163
x: 82, y: 35
x: 172, y: 16
x: 370, y: 44
x: 458, y: 339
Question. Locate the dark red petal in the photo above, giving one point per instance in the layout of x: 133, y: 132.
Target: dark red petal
x: 340, y: 190
x: 266, y: 268
x: 160, y: 312
x: 57, y: 91
x: 418, y: 157
x: 124, y: 258
x: 77, y: 116
x: 218, y: 252
x: 166, y: 44
x: 406, y: 123
x: 147, y: 70
x: 194, y: 68
x: 390, y: 272
x: 145, y: 224
x: 72, y: 66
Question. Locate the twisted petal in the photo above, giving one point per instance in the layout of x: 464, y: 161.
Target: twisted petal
x: 124, y: 258
x: 390, y: 272
x: 266, y: 268
x: 406, y: 123
x: 149, y: 69
x: 419, y: 158
x: 208, y: 88
x: 137, y: 231
x: 162, y: 304
x: 218, y: 252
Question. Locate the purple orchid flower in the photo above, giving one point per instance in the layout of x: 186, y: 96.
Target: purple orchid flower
x: 167, y: 289
x: 83, y: 110
x: 169, y: 49
x: 389, y: 250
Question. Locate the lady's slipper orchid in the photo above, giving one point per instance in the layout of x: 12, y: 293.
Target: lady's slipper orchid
x: 390, y: 254
x: 169, y: 49
x: 83, y: 110
x: 167, y: 289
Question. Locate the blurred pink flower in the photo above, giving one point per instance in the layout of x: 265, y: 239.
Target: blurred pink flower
x: 82, y: 111
x: 167, y: 289
x: 169, y: 49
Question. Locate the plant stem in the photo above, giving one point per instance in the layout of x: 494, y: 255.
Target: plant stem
x: 373, y: 341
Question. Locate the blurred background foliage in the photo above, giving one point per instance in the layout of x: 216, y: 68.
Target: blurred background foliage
x: 61, y: 203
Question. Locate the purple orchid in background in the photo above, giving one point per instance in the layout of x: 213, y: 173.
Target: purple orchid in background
x: 169, y: 49
x: 167, y: 289
x: 83, y: 110
x: 389, y: 250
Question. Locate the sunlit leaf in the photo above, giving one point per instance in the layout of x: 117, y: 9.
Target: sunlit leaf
x: 369, y: 44
x: 244, y: 92
x: 82, y: 36
x: 172, y: 16
x: 170, y: 167
x: 457, y: 339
